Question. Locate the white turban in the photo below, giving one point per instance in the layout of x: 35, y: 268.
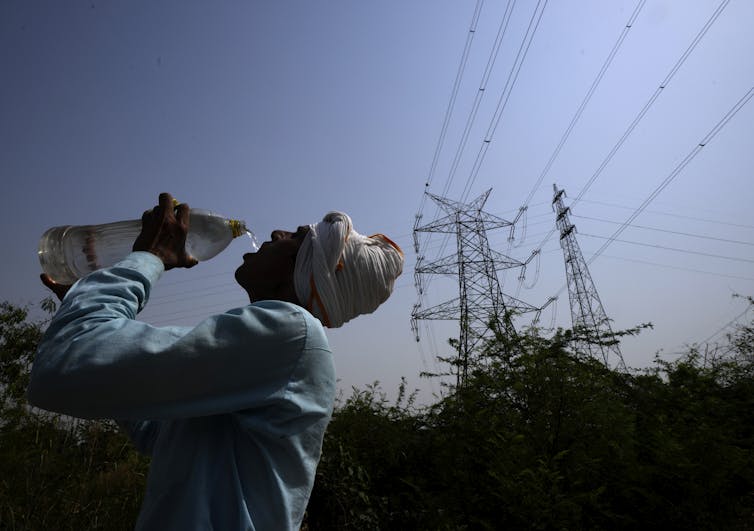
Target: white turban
x: 341, y: 274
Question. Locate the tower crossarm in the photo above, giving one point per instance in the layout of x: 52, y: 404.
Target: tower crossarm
x: 519, y: 306
x: 449, y: 265
x: 447, y: 310
x: 449, y: 224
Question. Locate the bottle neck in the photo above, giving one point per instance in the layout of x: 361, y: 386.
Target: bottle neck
x: 237, y: 227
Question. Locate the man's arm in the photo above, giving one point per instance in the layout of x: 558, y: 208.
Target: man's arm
x: 95, y: 360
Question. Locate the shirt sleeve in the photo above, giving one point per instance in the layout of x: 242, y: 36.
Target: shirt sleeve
x: 96, y: 361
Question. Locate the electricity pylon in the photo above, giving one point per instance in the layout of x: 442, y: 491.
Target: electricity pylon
x: 588, y: 316
x: 480, y: 300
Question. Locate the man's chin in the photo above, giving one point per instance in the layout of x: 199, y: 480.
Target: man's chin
x: 239, y: 277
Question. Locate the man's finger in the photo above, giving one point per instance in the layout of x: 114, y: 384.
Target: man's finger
x: 165, y: 200
x: 182, y: 214
x: 166, y: 204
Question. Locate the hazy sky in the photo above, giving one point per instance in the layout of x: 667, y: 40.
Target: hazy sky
x: 276, y: 112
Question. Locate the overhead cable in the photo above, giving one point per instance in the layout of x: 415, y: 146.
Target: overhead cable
x: 694, y: 152
x: 680, y: 233
x: 480, y: 94
x: 726, y: 325
x: 453, y: 95
x: 663, y: 84
x: 671, y: 214
x: 589, y: 94
x: 510, y: 82
x: 658, y: 246
x: 679, y: 268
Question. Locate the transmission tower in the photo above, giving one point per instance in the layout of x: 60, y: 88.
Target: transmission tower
x: 588, y: 316
x: 480, y: 300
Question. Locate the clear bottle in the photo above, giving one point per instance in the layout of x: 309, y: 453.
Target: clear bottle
x: 70, y: 252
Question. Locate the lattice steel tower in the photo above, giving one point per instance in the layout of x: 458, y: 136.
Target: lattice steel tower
x: 480, y: 299
x: 588, y: 316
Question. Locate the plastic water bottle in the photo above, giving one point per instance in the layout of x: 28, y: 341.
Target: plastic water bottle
x: 70, y: 252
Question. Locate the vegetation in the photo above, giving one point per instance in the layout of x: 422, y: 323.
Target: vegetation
x: 538, y: 437
x: 57, y: 472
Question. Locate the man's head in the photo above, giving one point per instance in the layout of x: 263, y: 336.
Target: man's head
x: 268, y: 273
x: 329, y: 268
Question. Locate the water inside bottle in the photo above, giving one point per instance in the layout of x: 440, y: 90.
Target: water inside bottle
x: 254, y: 242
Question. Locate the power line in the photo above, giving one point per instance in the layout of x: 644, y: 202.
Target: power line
x: 197, y: 312
x: 663, y: 84
x: 688, y: 269
x: 728, y: 324
x: 657, y: 246
x: 694, y: 152
x: 510, y: 82
x: 670, y: 214
x: 680, y: 233
x: 587, y: 98
x: 195, y: 279
x: 613, y: 205
x: 479, y: 95
x: 195, y: 293
x: 453, y: 95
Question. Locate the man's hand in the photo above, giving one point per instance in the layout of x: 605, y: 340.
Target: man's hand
x: 163, y: 233
x: 58, y: 289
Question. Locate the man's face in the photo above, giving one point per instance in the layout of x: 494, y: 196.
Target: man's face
x: 268, y: 273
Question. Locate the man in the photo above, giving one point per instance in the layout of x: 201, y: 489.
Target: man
x: 232, y: 411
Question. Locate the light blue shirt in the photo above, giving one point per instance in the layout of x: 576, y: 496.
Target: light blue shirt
x: 232, y: 411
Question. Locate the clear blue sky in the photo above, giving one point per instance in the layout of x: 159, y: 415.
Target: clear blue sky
x: 276, y: 112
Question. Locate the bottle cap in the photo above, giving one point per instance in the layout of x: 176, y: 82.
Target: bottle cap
x: 237, y: 227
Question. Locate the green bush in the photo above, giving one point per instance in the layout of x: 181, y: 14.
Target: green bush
x: 540, y: 436
x: 57, y: 472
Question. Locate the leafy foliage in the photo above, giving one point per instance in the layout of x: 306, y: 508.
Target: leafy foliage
x: 56, y: 472
x: 541, y: 436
